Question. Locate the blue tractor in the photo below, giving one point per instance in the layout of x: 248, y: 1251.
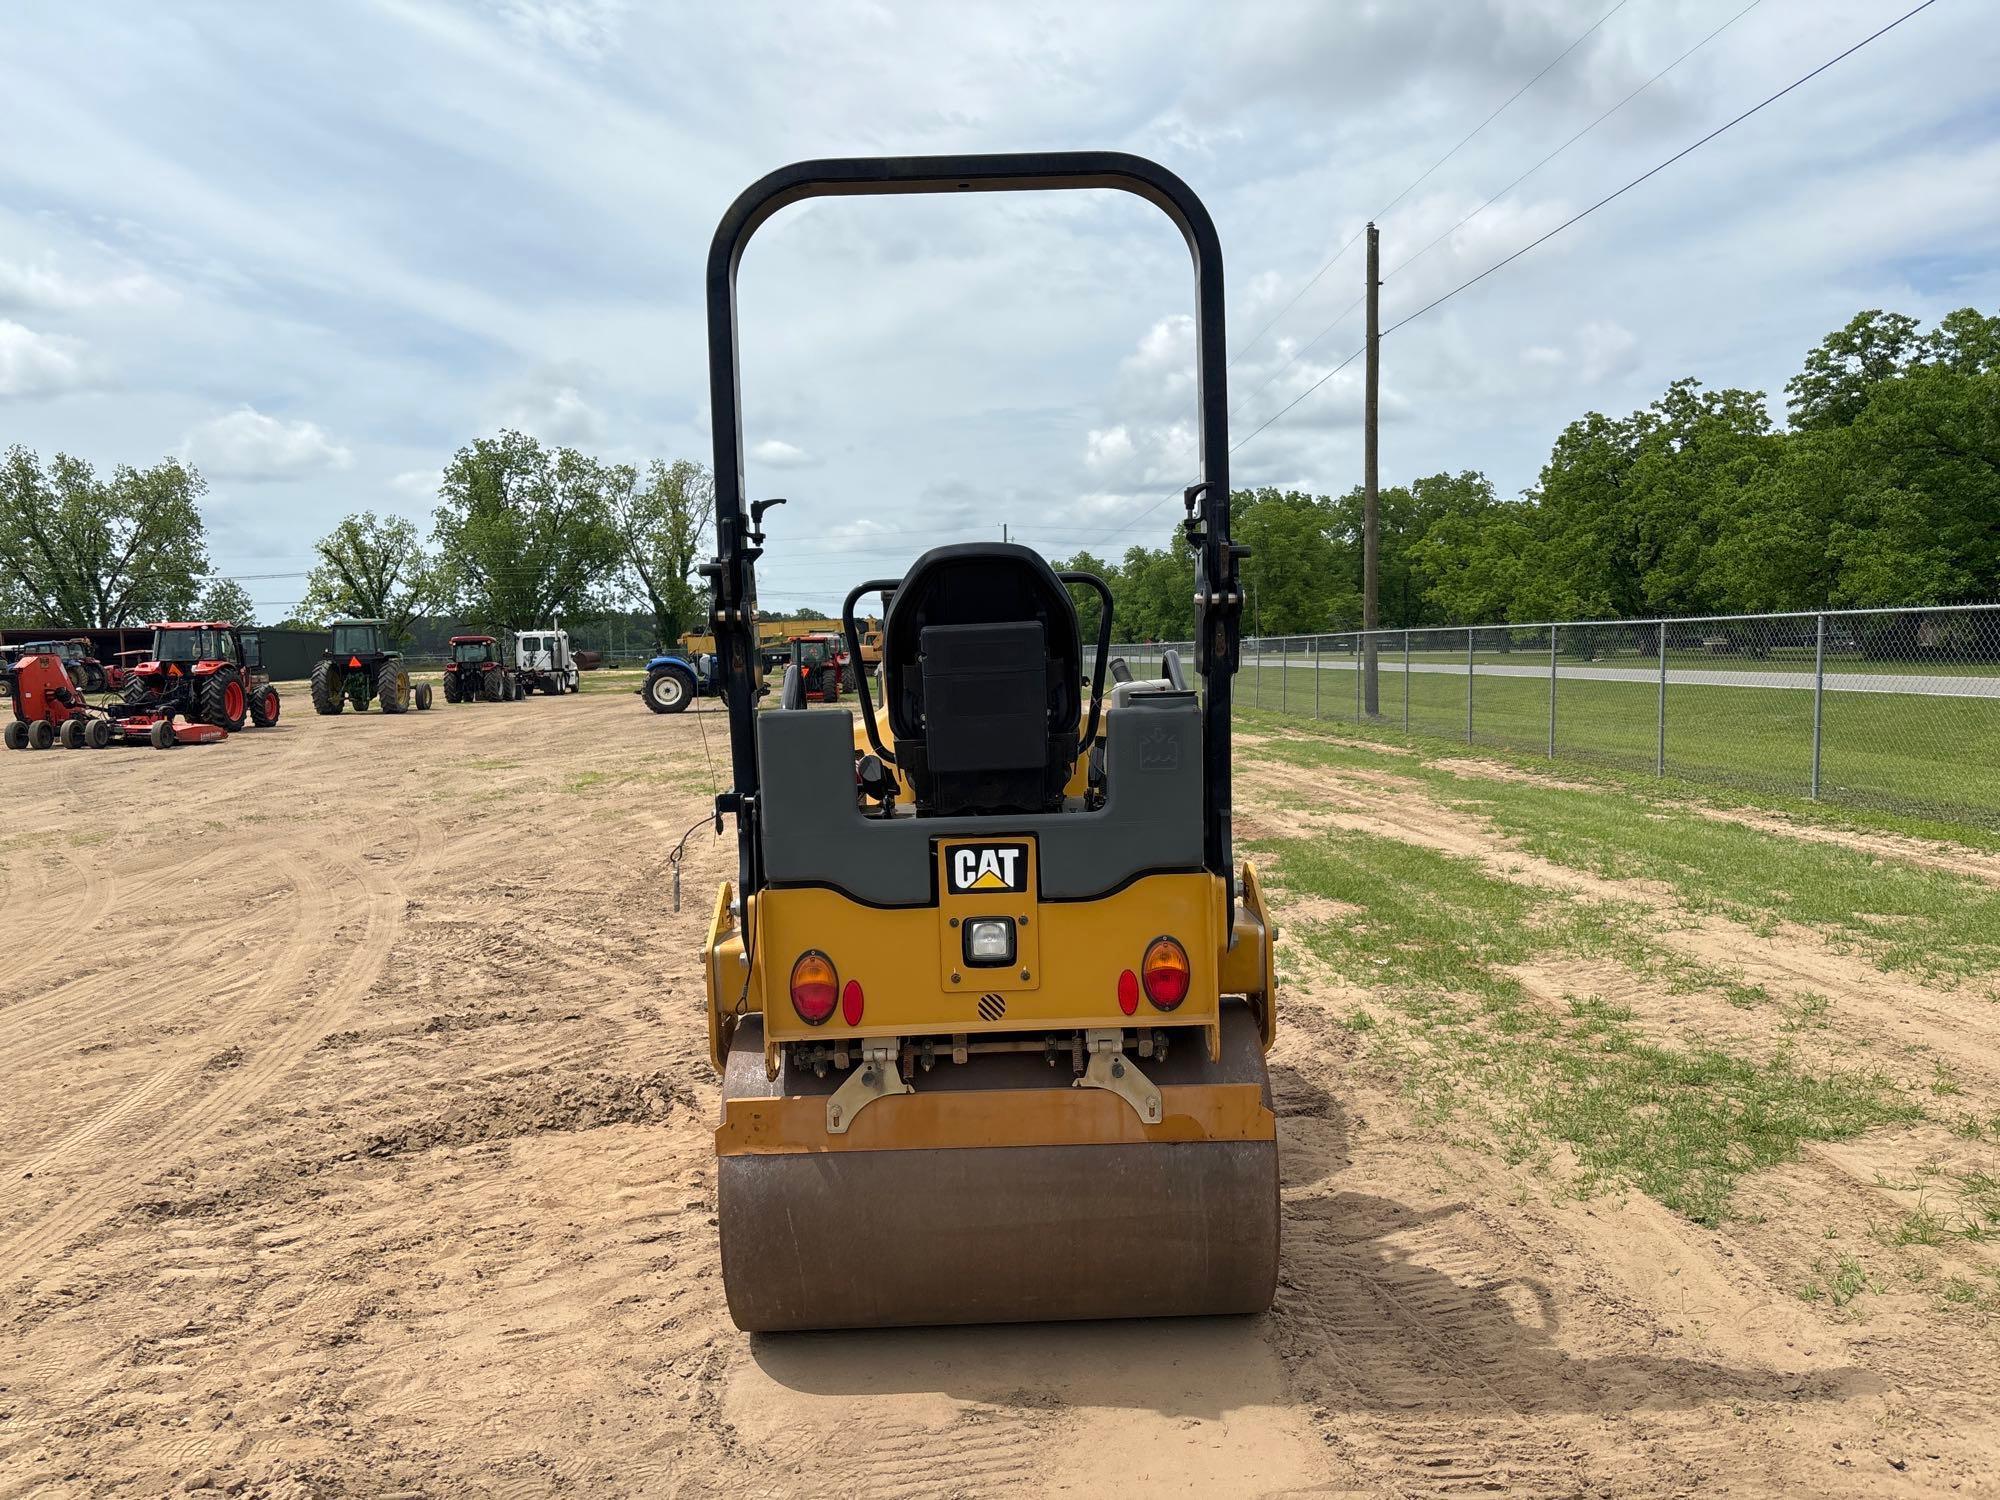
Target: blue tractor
x: 673, y: 681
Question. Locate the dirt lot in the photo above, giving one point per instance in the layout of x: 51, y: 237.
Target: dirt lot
x: 356, y: 1143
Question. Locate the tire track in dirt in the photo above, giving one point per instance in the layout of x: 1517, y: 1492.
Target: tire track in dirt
x: 140, y: 893
x: 209, y: 1110
x: 309, y: 896
x: 29, y: 915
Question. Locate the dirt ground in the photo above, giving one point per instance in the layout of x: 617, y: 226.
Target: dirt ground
x: 356, y: 1142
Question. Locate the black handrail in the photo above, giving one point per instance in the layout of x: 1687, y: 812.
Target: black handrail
x: 1103, y: 652
x: 854, y: 654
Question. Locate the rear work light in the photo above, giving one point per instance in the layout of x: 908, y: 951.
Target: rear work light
x: 1165, y: 973
x: 815, y: 987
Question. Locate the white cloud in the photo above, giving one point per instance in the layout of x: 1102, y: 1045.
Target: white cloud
x: 47, y: 289
x: 554, y: 410
x: 246, y: 444
x: 417, y: 484
x: 587, y: 28
x: 37, y: 364
x: 776, y: 453
x: 1108, y: 450
x: 1605, y: 350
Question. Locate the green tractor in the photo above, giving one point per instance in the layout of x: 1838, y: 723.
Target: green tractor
x: 359, y: 666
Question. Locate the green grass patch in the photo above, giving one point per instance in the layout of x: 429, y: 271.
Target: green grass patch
x: 1837, y: 1279
x: 1926, y: 754
x: 680, y: 777
x: 1434, y: 945
x: 1905, y: 917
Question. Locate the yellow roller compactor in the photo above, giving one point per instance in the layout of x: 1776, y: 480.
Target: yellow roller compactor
x: 989, y: 998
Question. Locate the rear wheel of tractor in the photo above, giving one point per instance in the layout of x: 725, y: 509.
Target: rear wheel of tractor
x: 162, y: 735
x: 492, y: 685
x: 15, y: 735
x: 135, y: 691
x: 669, y: 691
x: 328, y: 689
x: 451, y: 694
x: 392, y: 686
x: 41, y: 735
x: 223, y: 702
x: 264, y: 706
x: 423, y: 691
x: 71, y: 734
x: 97, y: 733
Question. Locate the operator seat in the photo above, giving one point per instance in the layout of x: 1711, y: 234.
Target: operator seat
x: 982, y: 670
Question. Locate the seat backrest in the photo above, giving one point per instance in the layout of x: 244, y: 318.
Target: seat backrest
x: 982, y: 672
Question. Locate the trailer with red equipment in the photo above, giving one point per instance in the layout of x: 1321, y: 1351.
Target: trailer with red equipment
x: 209, y: 671
x: 50, y: 709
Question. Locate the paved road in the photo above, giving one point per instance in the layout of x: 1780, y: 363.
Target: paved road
x: 1836, y: 682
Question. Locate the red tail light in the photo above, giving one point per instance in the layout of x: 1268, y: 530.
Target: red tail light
x: 1165, y: 973
x: 851, y: 1001
x: 815, y: 987
x: 1128, y: 992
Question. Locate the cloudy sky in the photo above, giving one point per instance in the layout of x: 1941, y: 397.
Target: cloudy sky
x: 317, y: 249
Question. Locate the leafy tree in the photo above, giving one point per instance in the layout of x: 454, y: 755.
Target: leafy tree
x: 372, y: 567
x: 1303, y: 573
x: 225, y: 599
x: 526, y: 532
x: 662, y: 526
x: 80, y: 550
x: 1923, y: 522
x: 1833, y: 387
x: 1089, y: 607
x: 1153, y: 593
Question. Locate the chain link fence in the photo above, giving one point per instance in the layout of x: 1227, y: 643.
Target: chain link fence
x: 1896, y: 709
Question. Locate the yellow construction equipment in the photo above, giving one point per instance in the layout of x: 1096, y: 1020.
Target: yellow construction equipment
x: 989, y: 997
x: 773, y: 633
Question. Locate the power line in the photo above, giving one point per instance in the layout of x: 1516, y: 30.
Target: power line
x: 1503, y: 108
x: 1348, y: 311
x: 1341, y: 317
x: 1352, y: 239
x: 1656, y: 170
x: 1495, y: 198
x: 1551, y: 234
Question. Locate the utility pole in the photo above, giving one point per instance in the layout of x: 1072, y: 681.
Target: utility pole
x: 1371, y: 498
x: 1003, y: 531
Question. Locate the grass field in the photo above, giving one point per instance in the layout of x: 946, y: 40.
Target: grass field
x: 1905, y: 752
x: 1649, y: 992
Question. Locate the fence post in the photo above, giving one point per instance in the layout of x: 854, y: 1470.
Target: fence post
x: 1660, y: 747
x: 1468, y: 684
x: 1284, y: 674
x: 1357, y: 679
x: 1259, y: 689
x: 1552, y: 692
x: 1406, y: 679
x: 1316, y: 676
x: 1819, y: 700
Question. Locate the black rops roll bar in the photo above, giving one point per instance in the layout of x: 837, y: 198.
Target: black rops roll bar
x: 1218, y: 598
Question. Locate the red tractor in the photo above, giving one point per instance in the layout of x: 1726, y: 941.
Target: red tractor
x: 822, y: 662
x: 209, y: 672
x: 478, y: 669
